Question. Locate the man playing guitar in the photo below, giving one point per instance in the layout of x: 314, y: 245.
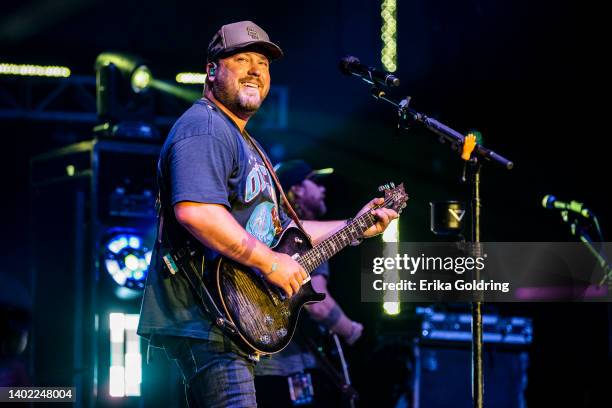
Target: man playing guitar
x: 216, y: 188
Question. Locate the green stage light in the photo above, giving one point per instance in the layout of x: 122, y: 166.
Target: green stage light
x: 392, y: 308
x: 34, y: 70
x: 190, y: 78
x: 141, y: 79
x: 123, y: 82
x: 388, y: 35
x: 130, y: 67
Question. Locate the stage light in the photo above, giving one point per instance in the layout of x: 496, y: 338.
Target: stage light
x: 388, y: 35
x: 126, y: 259
x: 130, y: 67
x: 391, y: 304
x: 34, y: 70
x: 391, y: 234
x: 125, y: 372
x: 141, y: 79
x: 391, y: 308
x: 122, y: 97
x: 190, y: 78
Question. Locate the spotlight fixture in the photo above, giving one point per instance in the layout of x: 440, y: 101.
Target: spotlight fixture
x: 127, y: 259
x: 141, y: 79
x: 123, y: 82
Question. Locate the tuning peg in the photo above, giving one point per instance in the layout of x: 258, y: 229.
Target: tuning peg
x: 381, y: 188
x: 392, y: 184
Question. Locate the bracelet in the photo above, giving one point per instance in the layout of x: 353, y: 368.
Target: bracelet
x: 274, y: 266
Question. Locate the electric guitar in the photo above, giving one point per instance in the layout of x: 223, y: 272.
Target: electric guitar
x: 264, y: 319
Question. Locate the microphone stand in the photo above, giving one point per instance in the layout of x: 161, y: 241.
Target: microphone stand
x: 408, y: 118
x: 580, y: 229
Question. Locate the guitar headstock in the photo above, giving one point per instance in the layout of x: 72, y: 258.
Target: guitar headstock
x: 395, y: 196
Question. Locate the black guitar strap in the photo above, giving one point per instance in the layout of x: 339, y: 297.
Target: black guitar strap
x: 181, y: 259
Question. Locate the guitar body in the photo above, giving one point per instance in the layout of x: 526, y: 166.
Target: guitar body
x: 264, y: 317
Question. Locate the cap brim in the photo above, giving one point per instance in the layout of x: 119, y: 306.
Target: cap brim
x: 269, y: 49
x: 320, y: 173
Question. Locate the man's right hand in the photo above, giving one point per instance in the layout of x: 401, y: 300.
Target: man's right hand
x: 285, y: 273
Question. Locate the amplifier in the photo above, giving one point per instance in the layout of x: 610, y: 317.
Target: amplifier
x: 457, y: 327
x: 443, y: 360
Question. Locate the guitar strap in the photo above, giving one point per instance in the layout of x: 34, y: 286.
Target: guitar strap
x: 179, y: 258
x: 279, y: 187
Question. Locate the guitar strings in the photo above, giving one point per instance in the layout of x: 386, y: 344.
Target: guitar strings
x: 312, y: 258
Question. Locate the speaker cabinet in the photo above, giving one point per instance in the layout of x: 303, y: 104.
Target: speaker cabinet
x: 81, y: 196
x: 442, y: 376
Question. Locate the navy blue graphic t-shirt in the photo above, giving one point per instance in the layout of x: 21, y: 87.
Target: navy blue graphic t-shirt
x: 205, y: 159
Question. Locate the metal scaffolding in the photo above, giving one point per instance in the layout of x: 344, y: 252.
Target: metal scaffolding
x: 73, y: 99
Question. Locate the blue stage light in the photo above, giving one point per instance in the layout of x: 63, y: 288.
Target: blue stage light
x: 127, y: 259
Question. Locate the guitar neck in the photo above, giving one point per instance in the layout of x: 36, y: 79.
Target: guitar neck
x: 324, y: 250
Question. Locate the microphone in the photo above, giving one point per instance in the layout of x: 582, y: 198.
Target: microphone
x: 550, y: 201
x: 350, y: 65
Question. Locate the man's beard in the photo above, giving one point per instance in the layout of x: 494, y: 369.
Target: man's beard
x: 240, y: 101
x: 309, y: 210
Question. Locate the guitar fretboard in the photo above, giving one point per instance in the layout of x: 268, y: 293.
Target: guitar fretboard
x: 324, y: 250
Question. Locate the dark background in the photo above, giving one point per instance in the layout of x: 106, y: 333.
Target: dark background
x: 521, y: 72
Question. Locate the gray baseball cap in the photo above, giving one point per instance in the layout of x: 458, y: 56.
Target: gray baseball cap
x: 234, y: 37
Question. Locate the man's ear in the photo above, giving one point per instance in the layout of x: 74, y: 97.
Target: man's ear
x: 211, y: 70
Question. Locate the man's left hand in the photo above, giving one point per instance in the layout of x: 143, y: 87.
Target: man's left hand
x: 383, y: 217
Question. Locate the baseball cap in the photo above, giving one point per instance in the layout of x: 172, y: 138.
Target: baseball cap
x: 244, y: 34
x: 293, y: 172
